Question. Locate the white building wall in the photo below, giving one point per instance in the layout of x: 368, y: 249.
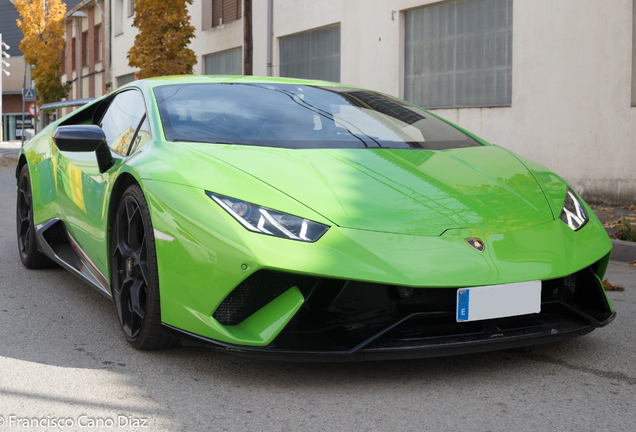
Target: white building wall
x: 570, y: 96
x: 571, y: 91
x: 122, y: 39
x: 213, y: 40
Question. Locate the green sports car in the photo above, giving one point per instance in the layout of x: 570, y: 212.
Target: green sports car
x: 307, y: 220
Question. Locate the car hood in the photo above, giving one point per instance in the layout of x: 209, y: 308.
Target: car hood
x: 403, y: 191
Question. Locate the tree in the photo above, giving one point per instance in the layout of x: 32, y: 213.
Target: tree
x: 42, y: 23
x: 161, y: 47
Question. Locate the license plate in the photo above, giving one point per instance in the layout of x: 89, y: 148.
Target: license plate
x: 498, y: 301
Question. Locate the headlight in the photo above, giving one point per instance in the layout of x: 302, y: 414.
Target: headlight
x: 271, y: 222
x: 573, y: 213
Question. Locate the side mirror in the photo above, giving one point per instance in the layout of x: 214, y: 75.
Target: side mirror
x: 85, y: 138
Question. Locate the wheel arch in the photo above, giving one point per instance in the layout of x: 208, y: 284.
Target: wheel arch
x: 150, y: 334
x: 22, y: 160
x: 123, y: 182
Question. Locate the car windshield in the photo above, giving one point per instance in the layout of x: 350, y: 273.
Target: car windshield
x: 299, y: 116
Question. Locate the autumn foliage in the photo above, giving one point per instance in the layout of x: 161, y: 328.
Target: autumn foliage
x: 161, y: 47
x: 42, y: 24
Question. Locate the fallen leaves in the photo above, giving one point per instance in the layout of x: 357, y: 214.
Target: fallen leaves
x: 606, y: 209
x: 632, y: 264
x: 614, y: 224
x: 632, y: 207
x: 609, y: 216
x: 617, y: 223
x: 7, y: 162
x: 612, y: 287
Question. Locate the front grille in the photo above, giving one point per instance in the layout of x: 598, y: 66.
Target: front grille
x: 340, y: 315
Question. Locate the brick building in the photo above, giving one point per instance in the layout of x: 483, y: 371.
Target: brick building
x: 12, y: 84
x: 88, y: 53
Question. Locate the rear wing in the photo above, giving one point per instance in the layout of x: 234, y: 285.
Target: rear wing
x: 61, y: 104
x: 66, y: 104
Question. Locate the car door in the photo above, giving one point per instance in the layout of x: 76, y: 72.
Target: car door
x: 83, y: 189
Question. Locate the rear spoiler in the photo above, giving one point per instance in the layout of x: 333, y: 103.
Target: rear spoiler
x: 66, y: 104
x: 62, y: 104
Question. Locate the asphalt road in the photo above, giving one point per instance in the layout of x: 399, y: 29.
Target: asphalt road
x: 62, y: 357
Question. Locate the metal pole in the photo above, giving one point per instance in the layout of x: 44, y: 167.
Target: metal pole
x: 270, y: 18
x: 1, y: 113
x: 106, y: 55
x: 23, y: 107
x: 43, y: 121
x: 79, y: 58
x: 247, y: 38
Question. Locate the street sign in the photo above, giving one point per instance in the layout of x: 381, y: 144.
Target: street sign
x: 34, y: 110
x: 29, y: 95
x: 28, y: 121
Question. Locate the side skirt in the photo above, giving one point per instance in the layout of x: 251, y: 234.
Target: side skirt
x: 57, y: 243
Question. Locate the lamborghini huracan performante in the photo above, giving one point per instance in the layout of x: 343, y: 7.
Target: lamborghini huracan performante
x: 307, y: 220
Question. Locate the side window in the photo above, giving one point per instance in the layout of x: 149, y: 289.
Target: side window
x: 142, y: 137
x: 122, y: 118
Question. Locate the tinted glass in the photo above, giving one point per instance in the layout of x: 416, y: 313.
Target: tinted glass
x: 312, y: 55
x: 459, y: 54
x: 122, y: 118
x: 299, y: 116
x: 142, y: 137
x: 225, y: 63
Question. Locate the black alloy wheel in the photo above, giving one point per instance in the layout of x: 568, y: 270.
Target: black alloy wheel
x: 134, y: 276
x: 30, y: 256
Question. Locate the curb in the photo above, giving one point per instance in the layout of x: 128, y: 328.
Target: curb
x: 623, y: 251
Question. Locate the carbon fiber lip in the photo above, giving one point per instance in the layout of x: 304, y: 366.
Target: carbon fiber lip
x: 435, y: 347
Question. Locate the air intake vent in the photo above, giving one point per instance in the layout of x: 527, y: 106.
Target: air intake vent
x: 255, y: 292
x: 56, y: 234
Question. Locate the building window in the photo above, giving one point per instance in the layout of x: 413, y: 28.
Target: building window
x: 224, y: 63
x: 119, y: 17
x: 313, y: 54
x: 63, y: 64
x: 131, y: 7
x: 74, y: 53
x: 459, y: 54
x: 85, y: 49
x: 125, y: 79
x: 225, y: 11
x: 97, y: 38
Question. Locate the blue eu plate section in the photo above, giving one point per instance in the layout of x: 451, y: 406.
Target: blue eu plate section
x: 462, y: 304
x: 498, y: 301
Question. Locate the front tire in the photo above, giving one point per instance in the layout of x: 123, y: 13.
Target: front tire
x: 30, y: 256
x: 135, y: 280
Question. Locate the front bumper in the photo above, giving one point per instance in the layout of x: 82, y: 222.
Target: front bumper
x: 213, y: 260
x: 356, y: 321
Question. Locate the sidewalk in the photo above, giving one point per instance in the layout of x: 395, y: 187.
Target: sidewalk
x: 609, y: 217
